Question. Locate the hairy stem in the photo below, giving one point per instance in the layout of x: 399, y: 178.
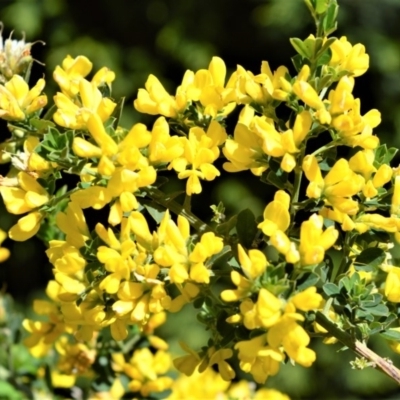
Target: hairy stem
x: 384, y: 365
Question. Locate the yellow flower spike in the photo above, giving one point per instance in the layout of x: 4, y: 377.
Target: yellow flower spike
x: 276, y: 214
x: 26, y: 227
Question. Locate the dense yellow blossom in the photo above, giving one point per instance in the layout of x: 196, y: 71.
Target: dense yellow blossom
x: 75, y: 113
x: 73, y: 70
x: 145, y: 370
x: 337, y: 187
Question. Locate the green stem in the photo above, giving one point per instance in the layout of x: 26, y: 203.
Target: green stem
x: 328, y: 146
x: 384, y: 365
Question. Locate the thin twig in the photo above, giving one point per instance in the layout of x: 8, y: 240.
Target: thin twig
x: 385, y: 365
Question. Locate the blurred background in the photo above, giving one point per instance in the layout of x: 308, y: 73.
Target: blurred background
x: 167, y: 37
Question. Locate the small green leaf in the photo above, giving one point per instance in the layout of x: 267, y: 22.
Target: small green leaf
x: 331, y: 289
x: 156, y: 211
x: 225, y: 228
x: 391, y: 334
x: 246, y: 227
x: 321, y: 6
x: 329, y: 20
x: 380, y: 310
x: 369, y: 259
x: 311, y: 280
x: 303, y: 48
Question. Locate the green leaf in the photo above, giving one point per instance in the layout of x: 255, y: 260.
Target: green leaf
x: 391, y: 334
x: 246, y: 227
x: 331, y: 289
x: 369, y: 259
x: 156, y: 211
x: 380, y: 310
x: 321, y: 6
x: 276, y: 180
x: 311, y: 280
x: 298, y: 62
x: 329, y: 20
x: 7, y: 391
x: 303, y: 48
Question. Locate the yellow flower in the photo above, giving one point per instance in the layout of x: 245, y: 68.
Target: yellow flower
x: 314, y: 241
x: 253, y: 265
x: 145, y: 370
x: 74, y: 358
x: 4, y: 253
x: 200, y: 151
x: 338, y: 186
x: 294, y: 339
x: 187, y: 364
x: 73, y: 70
x: 218, y: 357
x: 353, y: 128
x: 17, y: 102
x: 258, y: 358
x: 26, y: 227
x: 70, y: 73
x: 307, y: 300
x: 26, y: 196
x: 392, y: 284
x: 164, y: 148
x: 305, y: 92
x: 276, y: 214
x: 245, y: 150
x: 155, y: 99
x: 244, y: 87
x: 346, y: 57
x: 199, y: 386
